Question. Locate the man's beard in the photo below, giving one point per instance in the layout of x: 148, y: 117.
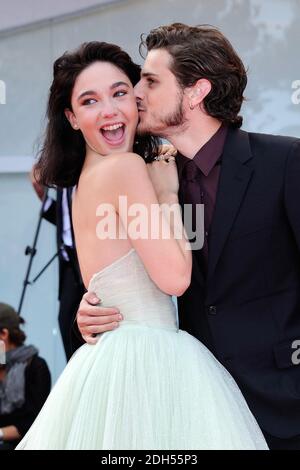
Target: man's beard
x: 174, y: 119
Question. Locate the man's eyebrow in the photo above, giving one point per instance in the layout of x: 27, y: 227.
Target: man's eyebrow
x: 92, y: 92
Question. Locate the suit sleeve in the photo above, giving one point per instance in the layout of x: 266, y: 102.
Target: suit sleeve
x: 292, y: 189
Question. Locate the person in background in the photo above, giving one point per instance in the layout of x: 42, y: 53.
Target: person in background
x: 25, y: 380
x: 71, y: 287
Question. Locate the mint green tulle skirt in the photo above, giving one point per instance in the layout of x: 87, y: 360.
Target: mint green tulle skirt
x: 141, y: 387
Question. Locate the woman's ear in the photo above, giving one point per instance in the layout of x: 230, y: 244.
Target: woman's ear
x: 72, y: 119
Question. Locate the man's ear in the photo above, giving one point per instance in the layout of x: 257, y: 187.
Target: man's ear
x: 72, y: 119
x: 4, y: 334
x: 198, y: 92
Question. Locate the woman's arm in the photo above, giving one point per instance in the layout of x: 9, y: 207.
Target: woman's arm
x: 163, y: 246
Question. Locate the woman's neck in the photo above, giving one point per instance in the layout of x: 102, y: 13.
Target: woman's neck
x: 91, y: 158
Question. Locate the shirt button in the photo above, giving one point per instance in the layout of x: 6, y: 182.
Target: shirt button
x: 212, y: 309
x: 206, y: 234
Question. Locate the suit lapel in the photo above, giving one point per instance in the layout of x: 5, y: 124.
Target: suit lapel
x: 235, y: 175
x: 69, y: 198
x: 59, y: 218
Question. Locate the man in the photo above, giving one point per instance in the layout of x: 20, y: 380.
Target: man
x: 25, y: 380
x: 244, y: 299
x: 70, y: 289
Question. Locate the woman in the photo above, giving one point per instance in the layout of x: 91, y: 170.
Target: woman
x: 24, y: 380
x: 145, y: 385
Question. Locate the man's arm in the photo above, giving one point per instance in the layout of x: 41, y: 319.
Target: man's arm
x: 49, y: 213
x: 37, y: 186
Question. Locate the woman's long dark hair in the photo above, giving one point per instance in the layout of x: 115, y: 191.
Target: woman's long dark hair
x: 63, y: 152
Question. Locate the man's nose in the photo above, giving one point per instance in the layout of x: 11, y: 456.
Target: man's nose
x: 138, y: 92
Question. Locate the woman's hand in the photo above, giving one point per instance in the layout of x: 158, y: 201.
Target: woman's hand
x: 167, y: 150
x: 38, y: 187
x: 164, y: 176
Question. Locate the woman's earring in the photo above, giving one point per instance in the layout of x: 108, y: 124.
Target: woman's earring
x: 191, y: 107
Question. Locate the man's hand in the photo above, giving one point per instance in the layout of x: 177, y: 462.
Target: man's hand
x: 38, y: 187
x: 93, y: 319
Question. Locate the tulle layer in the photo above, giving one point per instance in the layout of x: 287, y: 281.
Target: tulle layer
x: 144, y: 388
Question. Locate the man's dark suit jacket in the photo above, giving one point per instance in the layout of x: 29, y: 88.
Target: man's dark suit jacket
x: 54, y: 215
x: 247, y: 309
x: 71, y: 288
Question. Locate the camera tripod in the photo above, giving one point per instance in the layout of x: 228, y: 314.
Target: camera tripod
x: 31, y: 251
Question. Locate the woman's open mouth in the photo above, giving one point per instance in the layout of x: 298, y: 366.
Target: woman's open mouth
x: 113, y: 134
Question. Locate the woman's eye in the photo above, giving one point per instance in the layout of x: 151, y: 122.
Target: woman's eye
x: 150, y: 81
x: 120, y: 93
x: 89, y: 101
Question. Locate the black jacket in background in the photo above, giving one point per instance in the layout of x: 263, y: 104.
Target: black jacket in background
x: 37, y: 388
x: 54, y: 215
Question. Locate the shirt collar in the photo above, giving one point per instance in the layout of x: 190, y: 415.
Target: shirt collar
x: 207, y: 157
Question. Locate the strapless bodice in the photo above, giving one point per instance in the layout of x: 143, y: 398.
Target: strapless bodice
x: 125, y: 284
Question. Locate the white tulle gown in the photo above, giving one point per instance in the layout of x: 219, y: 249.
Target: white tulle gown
x: 145, y: 385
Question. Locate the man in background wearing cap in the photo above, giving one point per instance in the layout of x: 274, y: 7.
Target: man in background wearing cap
x: 24, y: 380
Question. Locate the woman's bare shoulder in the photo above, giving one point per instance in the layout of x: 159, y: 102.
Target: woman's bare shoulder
x: 114, y: 173
x: 118, y: 166
x: 121, y: 160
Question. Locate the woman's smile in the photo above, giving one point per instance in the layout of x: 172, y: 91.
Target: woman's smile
x: 113, y: 134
